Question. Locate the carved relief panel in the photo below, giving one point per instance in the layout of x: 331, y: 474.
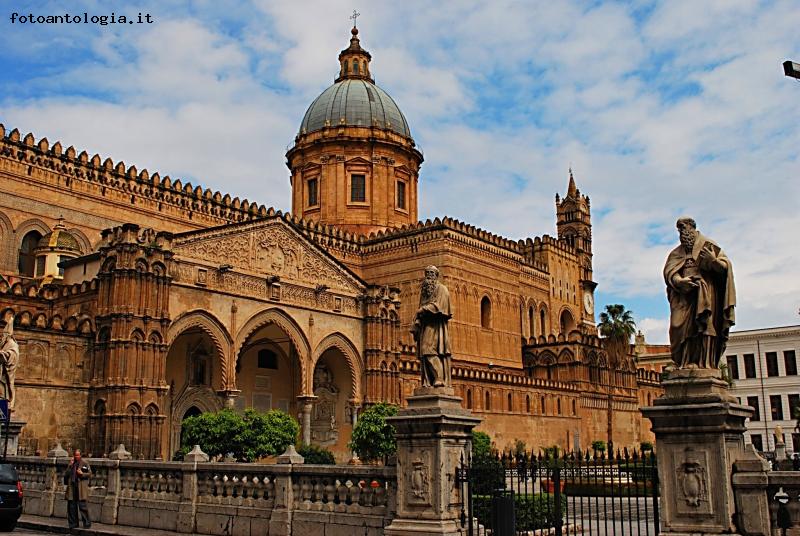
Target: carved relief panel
x: 324, y: 428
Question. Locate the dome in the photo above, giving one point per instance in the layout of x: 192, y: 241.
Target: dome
x: 354, y: 102
x: 60, y: 238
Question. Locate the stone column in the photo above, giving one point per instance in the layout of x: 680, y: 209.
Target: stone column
x: 699, y: 430
x: 433, y: 433
x: 306, y: 405
x: 354, y: 407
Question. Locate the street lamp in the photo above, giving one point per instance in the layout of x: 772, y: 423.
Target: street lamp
x: 791, y: 69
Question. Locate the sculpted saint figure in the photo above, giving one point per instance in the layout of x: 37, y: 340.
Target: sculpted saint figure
x: 430, y: 330
x: 702, y: 298
x: 9, y: 354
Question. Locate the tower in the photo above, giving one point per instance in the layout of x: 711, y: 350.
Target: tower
x: 354, y: 163
x: 574, y: 223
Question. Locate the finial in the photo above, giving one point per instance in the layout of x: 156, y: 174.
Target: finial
x: 572, y: 190
x: 60, y: 224
x: 354, y: 17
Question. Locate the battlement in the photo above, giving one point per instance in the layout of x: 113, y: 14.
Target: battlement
x: 194, y: 204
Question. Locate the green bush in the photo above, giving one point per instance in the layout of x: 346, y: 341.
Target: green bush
x: 599, y: 445
x: 646, y: 446
x: 247, y: 437
x: 481, y: 444
x: 373, y: 438
x: 535, y: 511
x: 316, y: 455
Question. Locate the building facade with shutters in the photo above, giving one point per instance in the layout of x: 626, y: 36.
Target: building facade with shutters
x: 139, y: 300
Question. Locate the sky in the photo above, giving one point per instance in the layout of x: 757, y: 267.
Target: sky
x: 661, y: 109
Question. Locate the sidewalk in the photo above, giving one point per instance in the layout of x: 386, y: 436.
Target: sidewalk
x: 58, y: 525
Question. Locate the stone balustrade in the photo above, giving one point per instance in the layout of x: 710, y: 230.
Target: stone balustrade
x: 219, y: 498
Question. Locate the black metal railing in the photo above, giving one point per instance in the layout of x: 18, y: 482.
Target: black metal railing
x: 509, y: 494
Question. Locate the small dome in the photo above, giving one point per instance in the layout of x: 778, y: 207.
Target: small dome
x: 354, y: 102
x: 60, y: 238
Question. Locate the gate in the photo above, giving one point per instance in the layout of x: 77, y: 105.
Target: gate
x: 560, y: 493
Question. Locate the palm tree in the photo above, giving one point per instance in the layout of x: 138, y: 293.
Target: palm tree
x: 617, y: 327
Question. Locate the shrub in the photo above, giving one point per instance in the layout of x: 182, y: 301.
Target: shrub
x: 481, y: 444
x: 646, y: 446
x: 534, y: 511
x: 599, y: 445
x: 316, y: 455
x: 247, y: 437
x: 373, y: 438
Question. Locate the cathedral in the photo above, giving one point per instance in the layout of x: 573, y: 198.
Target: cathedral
x: 138, y: 299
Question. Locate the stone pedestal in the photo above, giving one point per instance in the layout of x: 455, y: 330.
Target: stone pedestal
x: 699, y: 431
x: 14, y: 428
x: 433, y: 433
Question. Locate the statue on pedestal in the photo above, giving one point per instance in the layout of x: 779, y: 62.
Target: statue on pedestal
x: 9, y: 355
x: 430, y: 330
x: 702, y: 297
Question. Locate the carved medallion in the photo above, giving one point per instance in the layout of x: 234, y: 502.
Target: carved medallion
x: 418, y: 491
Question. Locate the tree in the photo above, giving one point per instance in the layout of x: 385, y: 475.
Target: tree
x: 481, y: 444
x: 247, y: 436
x: 373, y: 438
x: 316, y: 455
x: 617, y: 327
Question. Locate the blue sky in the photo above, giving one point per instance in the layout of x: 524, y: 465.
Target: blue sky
x: 661, y: 109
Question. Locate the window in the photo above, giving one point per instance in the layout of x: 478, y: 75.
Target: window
x: 558, y: 405
x: 758, y: 443
x: 61, y: 258
x: 542, y: 330
x: 486, y: 313
x: 772, y: 364
x: 40, y: 262
x: 355, y: 66
x: 530, y: 322
x: 790, y: 362
x: 794, y: 406
x: 510, y: 403
x: 26, y: 258
x: 199, y: 373
x: 776, y: 407
x: 469, y: 398
x: 358, y: 188
x: 487, y: 402
x: 267, y: 359
x: 313, y: 199
x: 749, y: 366
x: 733, y: 366
x: 752, y: 401
x: 528, y: 403
x: 401, y: 195
x: 543, y: 407
x: 575, y: 407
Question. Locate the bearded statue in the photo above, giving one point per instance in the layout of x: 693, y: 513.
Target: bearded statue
x: 9, y: 355
x: 430, y: 330
x: 702, y: 297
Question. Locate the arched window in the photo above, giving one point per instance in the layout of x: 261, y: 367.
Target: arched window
x: 531, y: 322
x: 487, y: 402
x: 567, y: 322
x: 574, y: 408
x: 542, y: 327
x: 558, y: 405
x: 543, y: 408
x: 510, y: 403
x: 469, y: 398
x: 528, y: 403
x: 486, y: 313
x: 355, y: 66
x: 27, y: 261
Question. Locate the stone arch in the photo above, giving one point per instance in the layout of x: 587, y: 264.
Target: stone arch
x: 203, y: 398
x: 83, y: 240
x: 351, y: 355
x: 216, y: 331
x: 26, y: 227
x: 566, y: 321
x: 6, y: 242
x: 292, y: 330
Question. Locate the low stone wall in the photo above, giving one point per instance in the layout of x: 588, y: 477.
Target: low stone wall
x: 220, y: 498
x: 767, y: 502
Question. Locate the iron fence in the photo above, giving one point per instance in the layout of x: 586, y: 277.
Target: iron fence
x: 509, y: 494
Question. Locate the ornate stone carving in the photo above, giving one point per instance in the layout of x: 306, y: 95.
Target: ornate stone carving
x: 269, y: 248
x: 692, y: 483
x: 419, y: 486
x: 324, y: 428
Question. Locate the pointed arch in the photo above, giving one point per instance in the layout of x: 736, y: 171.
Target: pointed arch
x: 292, y: 330
x: 351, y: 355
x: 215, y: 330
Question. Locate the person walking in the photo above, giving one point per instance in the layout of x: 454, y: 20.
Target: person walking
x: 76, y: 479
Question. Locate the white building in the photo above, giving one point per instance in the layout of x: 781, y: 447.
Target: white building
x: 763, y: 365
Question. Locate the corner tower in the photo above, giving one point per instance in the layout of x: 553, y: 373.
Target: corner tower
x: 354, y: 163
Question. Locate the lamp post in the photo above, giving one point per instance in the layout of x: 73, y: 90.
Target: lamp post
x: 791, y: 69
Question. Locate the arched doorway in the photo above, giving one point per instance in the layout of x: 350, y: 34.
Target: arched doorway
x: 567, y: 322
x: 268, y: 371
x: 194, y: 375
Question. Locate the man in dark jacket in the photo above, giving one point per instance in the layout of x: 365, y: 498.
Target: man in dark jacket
x: 76, y: 479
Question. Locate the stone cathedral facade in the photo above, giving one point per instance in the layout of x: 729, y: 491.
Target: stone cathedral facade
x: 139, y: 299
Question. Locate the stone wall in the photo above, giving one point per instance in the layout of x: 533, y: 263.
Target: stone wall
x: 220, y: 498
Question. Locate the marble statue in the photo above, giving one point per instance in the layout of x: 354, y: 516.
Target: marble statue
x: 9, y: 354
x: 430, y: 330
x: 702, y: 297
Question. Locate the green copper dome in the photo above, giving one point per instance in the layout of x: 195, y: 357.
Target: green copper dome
x: 354, y: 102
